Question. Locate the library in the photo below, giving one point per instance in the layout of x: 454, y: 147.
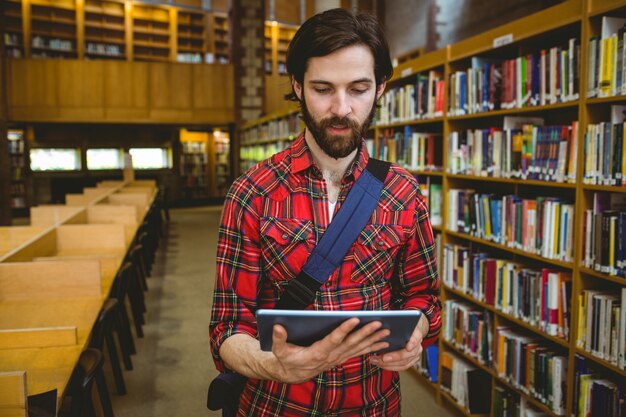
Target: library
x: 163, y: 177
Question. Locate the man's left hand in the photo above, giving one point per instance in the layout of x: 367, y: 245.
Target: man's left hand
x: 409, y: 356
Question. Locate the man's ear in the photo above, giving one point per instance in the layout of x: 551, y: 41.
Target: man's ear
x: 297, y: 88
x: 380, y: 90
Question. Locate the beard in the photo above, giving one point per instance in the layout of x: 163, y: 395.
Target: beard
x: 336, y: 146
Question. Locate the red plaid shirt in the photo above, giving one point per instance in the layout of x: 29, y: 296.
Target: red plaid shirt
x: 273, y: 217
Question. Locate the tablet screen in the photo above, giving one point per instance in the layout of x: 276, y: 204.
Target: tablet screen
x: 305, y: 327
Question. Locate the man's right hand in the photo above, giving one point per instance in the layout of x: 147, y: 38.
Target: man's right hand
x: 298, y: 364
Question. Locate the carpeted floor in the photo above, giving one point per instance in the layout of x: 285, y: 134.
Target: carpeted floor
x: 173, y: 366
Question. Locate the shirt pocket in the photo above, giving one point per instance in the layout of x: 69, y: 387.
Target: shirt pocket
x: 375, y: 253
x: 285, y: 247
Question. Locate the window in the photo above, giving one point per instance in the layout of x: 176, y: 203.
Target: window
x: 54, y: 159
x: 151, y: 158
x: 104, y: 159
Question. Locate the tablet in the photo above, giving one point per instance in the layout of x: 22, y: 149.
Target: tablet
x: 305, y: 327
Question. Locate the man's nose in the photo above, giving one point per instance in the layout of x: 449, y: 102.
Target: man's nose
x: 341, y: 105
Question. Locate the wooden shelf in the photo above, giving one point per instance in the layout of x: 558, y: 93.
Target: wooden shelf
x: 104, y: 26
x: 54, y: 35
x: 410, y: 123
x: 600, y: 275
x: 606, y: 100
x: 604, y: 188
x: 555, y: 262
x: 513, y: 112
x: 154, y: 45
x: 55, y: 20
x: 427, y: 173
x: 516, y: 181
x: 463, y: 410
x: 608, y: 365
x: 103, y: 40
x: 148, y: 31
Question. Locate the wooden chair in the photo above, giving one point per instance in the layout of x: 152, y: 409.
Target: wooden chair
x: 122, y: 290
x: 88, y: 371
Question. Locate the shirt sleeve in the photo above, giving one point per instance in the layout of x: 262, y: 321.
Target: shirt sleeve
x: 237, y: 270
x: 418, y: 281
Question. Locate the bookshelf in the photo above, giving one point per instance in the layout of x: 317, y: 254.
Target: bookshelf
x: 221, y: 158
x: 18, y: 161
x: 277, y: 38
x: 53, y: 29
x: 13, y: 32
x: 194, y: 173
x: 514, y: 136
x: 191, y: 36
x: 151, y: 33
x: 104, y: 30
x: 220, y: 43
x: 263, y: 137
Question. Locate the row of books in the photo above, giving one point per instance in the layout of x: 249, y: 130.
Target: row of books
x: 605, y: 151
x: 469, y: 329
x: 519, y: 150
x: 596, y: 395
x: 602, y: 325
x: 605, y: 67
x: 12, y: 39
x: 431, y: 191
x: 189, y: 57
x: 422, y: 99
x: 507, y: 403
x: 428, y: 365
x: 604, y: 232
x: 18, y: 202
x: 412, y: 150
x: 539, y: 297
x: 531, y: 367
x: 60, y: 44
x: 104, y: 49
x: 542, y: 226
x: 547, y: 77
x: 275, y: 129
x: 263, y: 151
x: 467, y: 384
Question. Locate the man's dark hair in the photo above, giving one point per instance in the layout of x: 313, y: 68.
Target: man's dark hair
x: 332, y: 30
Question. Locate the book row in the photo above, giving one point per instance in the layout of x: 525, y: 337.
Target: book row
x: 596, y: 395
x: 507, y: 403
x: 543, y: 226
x: 602, y: 325
x: 539, y: 297
x: 422, y: 99
x: 605, y: 68
x: 531, y: 367
x: 604, y: 234
x: 411, y: 150
x: 467, y: 384
x: 547, y: 77
x: 605, y: 151
x: 431, y: 191
x: 519, y: 150
x: 469, y: 329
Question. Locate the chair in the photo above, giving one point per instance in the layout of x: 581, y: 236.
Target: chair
x: 103, y: 333
x: 88, y: 371
x: 126, y: 277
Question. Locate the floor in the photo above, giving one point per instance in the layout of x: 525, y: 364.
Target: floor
x: 173, y: 366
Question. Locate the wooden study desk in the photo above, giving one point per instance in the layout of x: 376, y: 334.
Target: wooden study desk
x: 91, y: 235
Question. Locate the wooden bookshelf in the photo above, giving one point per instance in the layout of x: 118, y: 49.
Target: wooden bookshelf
x: 104, y: 30
x: 277, y: 38
x: 53, y: 29
x: 267, y: 135
x: 13, y: 29
x: 551, y: 27
x: 191, y: 36
x: 19, y: 168
x: 151, y: 33
x: 220, y: 38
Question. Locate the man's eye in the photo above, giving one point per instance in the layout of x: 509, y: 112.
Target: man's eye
x: 322, y: 90
x: 359, y: 91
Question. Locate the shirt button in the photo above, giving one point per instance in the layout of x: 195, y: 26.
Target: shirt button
x: 328, y: 283
x: 381, y: 243
x: 284, y: 236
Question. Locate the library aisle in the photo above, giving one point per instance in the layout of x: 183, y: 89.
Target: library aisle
x: 173, y: 367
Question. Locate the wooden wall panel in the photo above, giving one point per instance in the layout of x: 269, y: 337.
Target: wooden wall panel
x: 81, y: 85
x: 126, y: 90
x: 119, y: 91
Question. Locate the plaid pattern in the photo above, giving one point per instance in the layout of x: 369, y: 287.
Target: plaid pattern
x: 273, y: 216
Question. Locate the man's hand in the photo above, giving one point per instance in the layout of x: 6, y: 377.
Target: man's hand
x: 403, y: 359
x: 297, y: 364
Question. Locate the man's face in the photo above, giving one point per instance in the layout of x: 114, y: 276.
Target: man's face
x: 338, y: 98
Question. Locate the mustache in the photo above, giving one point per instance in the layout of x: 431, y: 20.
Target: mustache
x: 339, y: 121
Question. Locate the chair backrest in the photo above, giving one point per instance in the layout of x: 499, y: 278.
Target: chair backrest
x: 122, y: 281
x: 136, y: 256
x: 89, y: 363
x: 104, y: 324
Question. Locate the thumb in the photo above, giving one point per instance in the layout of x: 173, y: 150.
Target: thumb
x: 279, y: 337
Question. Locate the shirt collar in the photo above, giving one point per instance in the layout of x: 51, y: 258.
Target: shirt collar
x: 302, y: 159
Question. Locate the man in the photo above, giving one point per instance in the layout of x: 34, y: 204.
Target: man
x: 276, y: 213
